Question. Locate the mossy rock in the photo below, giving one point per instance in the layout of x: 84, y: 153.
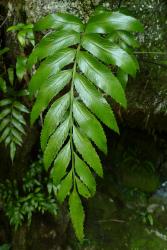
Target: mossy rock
x: 148, y: 241
x: 138, y: 175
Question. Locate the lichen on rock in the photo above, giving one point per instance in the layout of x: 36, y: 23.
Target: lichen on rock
x: 35, y: 9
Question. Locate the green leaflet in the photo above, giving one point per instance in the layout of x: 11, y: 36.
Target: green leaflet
x: 85, y: 148
x: 128, y: 39
x: 17, y: 142
x: 3, y: 51
x: 123, y: 77
x: 18, y: 126
x: 61, y: 163
x: 25, y: 34
x: 16, y: 114
x: 77, y: 214
x: 108, y: 53
x: 5, y: 134
x: 16, y: 134
x: 82, y: 189
x: 4, y: 123
x: 101, y: 76
x: 7, y: 140
x: 100, y: 9
x: 59, y: 21
x: 55, y: 143
x: 21, y: 36
x: 125, y: 42
x: 65, y: 187
x: 5, y: 102
x: 90, y: 125
x: 12, y: 150
x: 95, y: 102
x: 85, y: 174
x: 53, y: 86
x: 49, y: 67
x: 19, y: 106
x: 72, y: 81
x: 53, y: 42
x: 2, y: 85
x: 107, y: 22
x: 11, y: 75
x: 4, y: 113
x: 21, y: 67
x: 54, y: 117
x: 23, y: 92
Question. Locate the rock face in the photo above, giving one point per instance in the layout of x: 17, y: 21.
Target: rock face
x: 45, y: 232
x: 160, y: 196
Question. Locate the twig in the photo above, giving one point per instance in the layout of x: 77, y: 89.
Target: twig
x: 4, y: 21
x: 113, y: 220
x: 155, y: 63
x: 150, y: 52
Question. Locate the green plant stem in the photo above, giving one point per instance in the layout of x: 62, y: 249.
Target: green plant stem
x: 71, y: 115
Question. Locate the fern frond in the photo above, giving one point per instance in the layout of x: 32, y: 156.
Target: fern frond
x: 12, y: 124
x: 71, y: 81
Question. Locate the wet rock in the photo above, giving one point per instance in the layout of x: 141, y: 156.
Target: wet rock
x: 158, y: 206
x: 158, y: 201
x: 45, y: 232
x: 160, y: 196
x: 111, y: 227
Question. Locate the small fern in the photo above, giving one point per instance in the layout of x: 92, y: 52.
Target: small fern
x: 12, y: 123
x: 72, y: 79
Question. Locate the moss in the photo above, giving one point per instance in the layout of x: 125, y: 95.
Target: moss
x: 138, y: 175
x: 109, y: 227
x: 147, y: 240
